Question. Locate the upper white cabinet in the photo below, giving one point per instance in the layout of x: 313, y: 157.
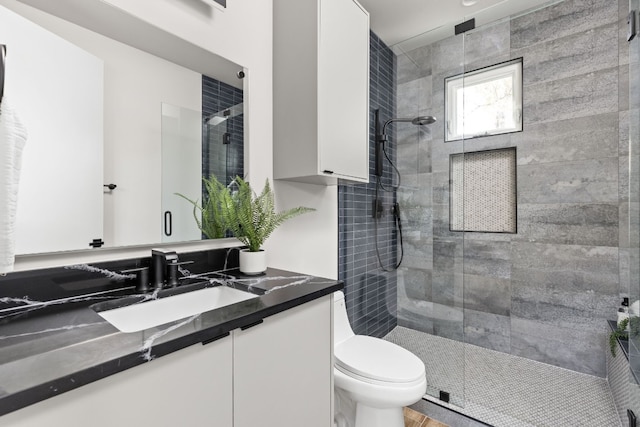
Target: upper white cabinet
x: 321, y: 91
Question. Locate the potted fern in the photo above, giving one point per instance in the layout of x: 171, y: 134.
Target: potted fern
x: 252, y: 219
x: 212, y: 217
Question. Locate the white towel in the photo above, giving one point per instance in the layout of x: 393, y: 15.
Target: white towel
x: 13, y: 137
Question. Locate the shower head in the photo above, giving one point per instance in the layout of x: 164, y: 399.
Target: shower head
x: 423, y: 120
x: 220, y: 117
x: 215, y: 120
x: 420, y: 121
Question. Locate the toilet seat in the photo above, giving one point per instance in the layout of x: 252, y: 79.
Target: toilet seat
x: 368, y: 359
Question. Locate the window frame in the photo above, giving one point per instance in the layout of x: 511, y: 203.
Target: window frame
x: 452, y: 84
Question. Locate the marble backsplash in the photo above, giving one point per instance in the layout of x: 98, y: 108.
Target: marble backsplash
x: 29, y: 288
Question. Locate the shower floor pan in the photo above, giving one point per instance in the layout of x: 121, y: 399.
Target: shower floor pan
x: 509, y: 391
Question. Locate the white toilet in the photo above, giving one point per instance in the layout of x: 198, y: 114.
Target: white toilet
x: 374, y: 379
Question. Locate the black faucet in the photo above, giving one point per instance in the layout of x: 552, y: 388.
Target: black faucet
x: 159, y: 260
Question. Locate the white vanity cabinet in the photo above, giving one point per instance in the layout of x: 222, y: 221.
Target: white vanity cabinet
x: 283, y: 369
x: 275, y: 374
x: 321, y: 91
x: 191, y: 387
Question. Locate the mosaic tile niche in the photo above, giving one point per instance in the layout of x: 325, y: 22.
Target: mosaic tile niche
x: 483, y: 191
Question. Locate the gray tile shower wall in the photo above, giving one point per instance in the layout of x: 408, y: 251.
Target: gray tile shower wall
x: 544, y: 293
x: 225, y: 161
x: 371, y: 292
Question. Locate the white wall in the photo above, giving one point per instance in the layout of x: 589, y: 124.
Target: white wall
x: 308, y: 243
x: 243, y: 34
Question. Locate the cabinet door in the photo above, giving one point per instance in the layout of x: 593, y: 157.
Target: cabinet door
x: 343, y: 89
x: 283, y: 369
x: 191, y: 387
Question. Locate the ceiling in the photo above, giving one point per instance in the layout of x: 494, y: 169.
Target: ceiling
x: 412, y: 23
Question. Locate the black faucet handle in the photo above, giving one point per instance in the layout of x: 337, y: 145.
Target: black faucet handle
x: 172, y: 271
x: 182, y: 262
x: 142, y: 278
x: 166, y: 256
x: 160, y: 258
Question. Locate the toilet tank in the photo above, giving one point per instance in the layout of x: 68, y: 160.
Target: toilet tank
x: 341, y: 326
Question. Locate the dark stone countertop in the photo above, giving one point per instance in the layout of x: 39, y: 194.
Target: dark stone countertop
x: 53, y: 346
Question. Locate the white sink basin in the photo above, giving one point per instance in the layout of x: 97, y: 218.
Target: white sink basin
x: 138, y: 317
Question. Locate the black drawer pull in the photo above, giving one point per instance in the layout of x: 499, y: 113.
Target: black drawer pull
x: 216, y: 338
x: 251, y: 325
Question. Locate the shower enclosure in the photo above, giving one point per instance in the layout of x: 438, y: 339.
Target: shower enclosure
x: 519, y: 209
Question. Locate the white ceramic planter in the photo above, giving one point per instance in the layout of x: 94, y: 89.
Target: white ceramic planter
x: 252, y: 263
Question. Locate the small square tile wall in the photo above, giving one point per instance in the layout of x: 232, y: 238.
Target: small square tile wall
x: 483, y: 191
x: 371, y: 292
x: 225, y: 161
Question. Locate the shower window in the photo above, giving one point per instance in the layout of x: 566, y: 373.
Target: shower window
x: 484, y: 102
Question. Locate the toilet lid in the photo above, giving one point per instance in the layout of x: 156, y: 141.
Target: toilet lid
x: 378, y: 360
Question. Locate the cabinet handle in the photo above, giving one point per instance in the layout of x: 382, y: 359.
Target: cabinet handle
x: 251, y: 325
x: 328, y: 172
x: 216, y: 338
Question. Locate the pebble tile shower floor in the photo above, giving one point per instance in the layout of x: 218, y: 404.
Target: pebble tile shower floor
x: 509, y: 391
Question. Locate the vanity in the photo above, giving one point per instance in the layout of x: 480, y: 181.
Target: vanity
x: 266, y: 360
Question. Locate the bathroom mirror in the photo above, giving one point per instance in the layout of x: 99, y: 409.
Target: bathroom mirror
x: 92, y: 100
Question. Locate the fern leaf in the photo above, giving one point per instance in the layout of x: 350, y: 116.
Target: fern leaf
x: 254, y: 217
x: 213, y: 210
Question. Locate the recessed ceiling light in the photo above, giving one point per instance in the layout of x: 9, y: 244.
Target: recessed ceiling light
x: 469, y: 2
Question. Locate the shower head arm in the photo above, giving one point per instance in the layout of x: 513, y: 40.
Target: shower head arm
x: 388, y: 122
x: 420, y: 120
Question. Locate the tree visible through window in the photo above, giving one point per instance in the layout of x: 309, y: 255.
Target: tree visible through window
x: 484, y: 102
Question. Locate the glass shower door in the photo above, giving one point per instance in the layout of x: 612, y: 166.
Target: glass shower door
x: 430, y: 279
x: 181, y: 165
x: 634, y: 212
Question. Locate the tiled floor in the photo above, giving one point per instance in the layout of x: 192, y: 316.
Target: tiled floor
x: 416, y: 419
x: 509, y: 391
